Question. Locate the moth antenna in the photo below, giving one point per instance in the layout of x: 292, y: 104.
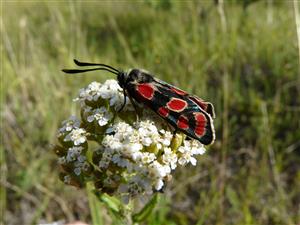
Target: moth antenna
x: 78, y: 63
x: 72, y: 71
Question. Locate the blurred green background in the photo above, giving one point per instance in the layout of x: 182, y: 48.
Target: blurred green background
x: 240, y: 55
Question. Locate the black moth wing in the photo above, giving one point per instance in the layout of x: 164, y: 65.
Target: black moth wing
x: 195, y: 106
x: 206, y: 106
x: 159, y: 96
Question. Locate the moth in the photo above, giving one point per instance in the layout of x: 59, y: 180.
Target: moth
x: 186, y: 113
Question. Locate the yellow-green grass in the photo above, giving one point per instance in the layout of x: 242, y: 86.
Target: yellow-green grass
x: 241, y: 57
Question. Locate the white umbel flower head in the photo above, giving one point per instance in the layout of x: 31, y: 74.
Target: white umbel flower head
x: 110, y: 91
x: 134, y: 159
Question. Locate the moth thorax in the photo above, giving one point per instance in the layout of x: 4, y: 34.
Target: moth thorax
x: 122, y: 78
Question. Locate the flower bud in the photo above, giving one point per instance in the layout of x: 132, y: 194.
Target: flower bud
x: 71, y: 180
x: 59, y: 150
x: 176, y: 141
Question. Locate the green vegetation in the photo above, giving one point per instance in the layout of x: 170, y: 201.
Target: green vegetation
x: 241, y: 57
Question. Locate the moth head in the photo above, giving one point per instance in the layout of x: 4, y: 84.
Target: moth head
x: 139, y: 76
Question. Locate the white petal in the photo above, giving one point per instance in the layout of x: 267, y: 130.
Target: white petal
x: 193, y: 161
x: 90, y: 118
x: 159, y: 184
x: 182, y: 161
x: 102, y: 122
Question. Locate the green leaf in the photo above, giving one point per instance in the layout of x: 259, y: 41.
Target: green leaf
x: 114, y: 206
x: 111, y: 202
x: 146, y: 211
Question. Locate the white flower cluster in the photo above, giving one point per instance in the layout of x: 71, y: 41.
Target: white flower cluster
x: 78, y: 160
x: 110, y: 91
x: 69, y: 124
x: 144, y: 155
x: 71, y: 131
x: 134, y: 159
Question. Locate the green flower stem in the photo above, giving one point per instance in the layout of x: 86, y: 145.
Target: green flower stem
x: 95, y: 204
x: 146, y: 211
x: 122, y: 212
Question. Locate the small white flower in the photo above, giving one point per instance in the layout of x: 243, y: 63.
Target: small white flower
x: 185, y: 158
x: 119, y: 161
x: 170, y: 158
x: 159, y: 170
x: 104, y: 163
x: 109, y: 89
x: 118, y: 101
x: 132, y: 150
x: 77, y: 135
x: 101, y: 115
x: 133, y: 147
x: 147, y: 157
x: 167, y: 137
x: 67, y: 179
x: 77, y: 171
x: 146, y: 141
x: 189, y: 149
x: 106, y: 158
x: 62, y: 160
x: 122, y: 130
x: 197, y: 147
x: 73, y: 153
x: 112, y: 91
x: 158, y: 184
x: 92, y: 92
x: 134, y: 137
x: 80, y: 165
x: 148, y: 132
x: 69, y: 124
x: 110, y: 141
x: 81, y: 158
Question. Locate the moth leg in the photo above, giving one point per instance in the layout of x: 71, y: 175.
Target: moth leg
x: 170, y: 127
x: 124, y: 103
x: 175, y: 132
x: 135, y: 108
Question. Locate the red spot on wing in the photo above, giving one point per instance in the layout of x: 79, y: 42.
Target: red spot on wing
x: 177, y: 104
x: 200, y: 121
x: 145, y: 90
x: 178, y: 91
x: 163, y: 111
x: 183, y: 123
